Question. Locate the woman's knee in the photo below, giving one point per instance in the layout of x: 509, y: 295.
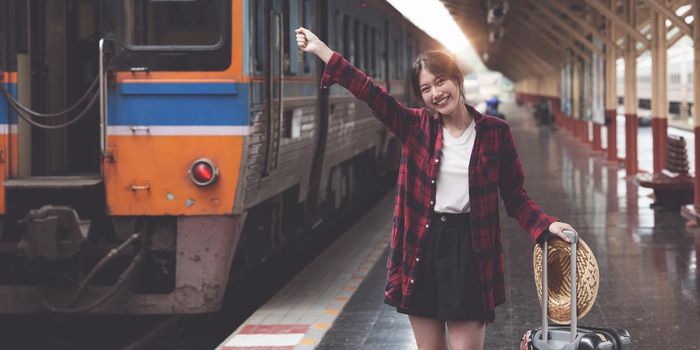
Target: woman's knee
x: 429, y: 333
x: 466, y: 335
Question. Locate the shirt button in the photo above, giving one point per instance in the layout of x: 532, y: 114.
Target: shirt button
x: 432, y: 181
x: 436, y: 160
x: 417, y: 259
x: 426, y: 225
x: 431, y: 202
x: 412, y: 281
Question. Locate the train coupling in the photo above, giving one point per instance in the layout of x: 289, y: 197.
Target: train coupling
x: 52, y: 233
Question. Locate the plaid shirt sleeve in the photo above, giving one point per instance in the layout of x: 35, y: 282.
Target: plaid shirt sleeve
x: 518, y: 204
x: 397, y: 117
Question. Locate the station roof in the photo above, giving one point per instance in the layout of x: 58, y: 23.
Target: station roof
x: 524, y: 38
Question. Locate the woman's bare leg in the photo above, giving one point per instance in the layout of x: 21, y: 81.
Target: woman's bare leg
x: 466, y: 335
x: 429, y: 333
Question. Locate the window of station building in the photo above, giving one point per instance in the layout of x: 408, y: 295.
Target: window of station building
x: 675, y: 79
x: 174, y: 23
x: 175, y: 34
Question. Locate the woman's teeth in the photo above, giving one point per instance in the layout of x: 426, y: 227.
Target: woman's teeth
x: 439, y: 102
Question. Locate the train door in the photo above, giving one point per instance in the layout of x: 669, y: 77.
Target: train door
x: 59, y: 134
x: 274, y: 82
x: 55, y: 153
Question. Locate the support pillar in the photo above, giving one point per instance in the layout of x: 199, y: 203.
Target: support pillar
x: 597, y: 144
x: 611, y: 92
x: 659, y: 95
x: 696, y: 96
x: 631, y: 100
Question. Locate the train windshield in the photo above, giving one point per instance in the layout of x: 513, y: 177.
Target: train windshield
x: 174, y: 23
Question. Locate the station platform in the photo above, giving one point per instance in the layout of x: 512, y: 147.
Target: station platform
x: 649, y: 280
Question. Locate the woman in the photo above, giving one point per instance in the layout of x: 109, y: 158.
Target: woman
x: 445, y: 266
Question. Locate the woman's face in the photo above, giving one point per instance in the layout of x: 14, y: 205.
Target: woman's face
x: 439, y: 93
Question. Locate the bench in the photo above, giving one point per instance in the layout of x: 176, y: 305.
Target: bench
x: 673, y: 187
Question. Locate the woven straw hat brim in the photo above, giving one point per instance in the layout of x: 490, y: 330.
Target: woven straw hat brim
x: 559, y: 273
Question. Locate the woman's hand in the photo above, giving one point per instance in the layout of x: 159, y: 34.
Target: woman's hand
x: 307, y: 41
x: 558, y: 228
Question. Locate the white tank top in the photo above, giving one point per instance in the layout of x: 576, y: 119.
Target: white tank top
x: 453, y: 177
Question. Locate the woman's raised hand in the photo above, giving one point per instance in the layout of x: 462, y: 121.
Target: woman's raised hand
x: 307, y: 41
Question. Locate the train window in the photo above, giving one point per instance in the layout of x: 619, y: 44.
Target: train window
x: 173, y: 23
x: 292, y: 123
x: 307, y: 13
x: 4, y: 45
x: 337, y: 29
x: 398, y: 63
x: 347, y: 43
x: 357, y: 52
x: 382, y: 53
x: 175, y: 34
x: 286, y: 41
x: 366, y: 50
x: 259, y: 32
x: 373, y: 53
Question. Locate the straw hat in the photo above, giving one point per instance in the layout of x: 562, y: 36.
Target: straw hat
x: 559, y: 273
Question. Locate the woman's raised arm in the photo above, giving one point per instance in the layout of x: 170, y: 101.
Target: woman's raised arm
x: 397, y: 117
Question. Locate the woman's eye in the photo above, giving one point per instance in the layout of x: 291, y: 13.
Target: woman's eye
x: 424, y: 91
x: 440, y: 82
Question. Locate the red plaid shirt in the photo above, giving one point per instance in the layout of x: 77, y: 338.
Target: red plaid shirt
x: 494, y: 167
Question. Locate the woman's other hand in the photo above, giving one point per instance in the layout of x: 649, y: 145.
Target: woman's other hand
x: 558, y: 228
x: 307, y: 41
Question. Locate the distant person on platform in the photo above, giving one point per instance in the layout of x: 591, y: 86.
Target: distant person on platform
x: 492, y: 107
x: 445, y: 266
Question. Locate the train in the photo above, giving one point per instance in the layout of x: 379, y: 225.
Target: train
x: 679, y: 78
x: 149, y: 149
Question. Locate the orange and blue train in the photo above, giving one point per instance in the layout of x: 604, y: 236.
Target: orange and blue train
x: 151, y: 149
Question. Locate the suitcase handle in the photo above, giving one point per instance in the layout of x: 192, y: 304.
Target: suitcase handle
x: 573, y: 238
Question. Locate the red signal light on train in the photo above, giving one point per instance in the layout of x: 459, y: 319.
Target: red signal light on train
x: 203, y: 172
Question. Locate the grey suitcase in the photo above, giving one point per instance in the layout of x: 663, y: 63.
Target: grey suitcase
x: 572, y: 337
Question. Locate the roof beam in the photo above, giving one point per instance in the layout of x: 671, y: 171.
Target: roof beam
x: 671, y: 16
x: 585, y: 25
x: 603, y: 10
x: 566, y: 26
x: 548, y: 40
x: 559, y: 36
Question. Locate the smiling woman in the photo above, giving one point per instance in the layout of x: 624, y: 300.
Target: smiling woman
x: 454, y: 163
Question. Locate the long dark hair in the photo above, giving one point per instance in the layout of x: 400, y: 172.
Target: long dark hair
x: 439, y: 63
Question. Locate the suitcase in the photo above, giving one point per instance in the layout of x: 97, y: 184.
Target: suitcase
x: 556, y: 337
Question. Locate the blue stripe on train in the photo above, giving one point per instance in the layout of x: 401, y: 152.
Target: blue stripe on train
x: 5, y: 110
x: 223, y: 104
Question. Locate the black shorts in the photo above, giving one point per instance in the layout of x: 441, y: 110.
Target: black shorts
x: 446, y: 283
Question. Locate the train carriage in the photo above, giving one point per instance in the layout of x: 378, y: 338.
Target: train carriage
x: 148, y: 148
